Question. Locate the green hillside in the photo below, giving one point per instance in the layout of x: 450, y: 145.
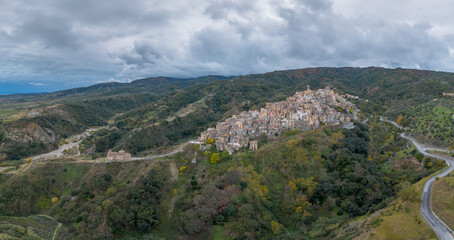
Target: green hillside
x: 301, y: 184
x: 65, y: 113
x: 165, y: 113
x: 432, y: 122
x: 383, y: 91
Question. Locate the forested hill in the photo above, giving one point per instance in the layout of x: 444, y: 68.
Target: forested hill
x: 153, y: 85
x: 297, y: 185
x: 152, y: 113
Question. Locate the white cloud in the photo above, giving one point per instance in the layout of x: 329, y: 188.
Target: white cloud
x: 37, y: 84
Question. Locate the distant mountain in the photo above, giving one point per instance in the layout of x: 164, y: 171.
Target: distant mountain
x: 153, y: 85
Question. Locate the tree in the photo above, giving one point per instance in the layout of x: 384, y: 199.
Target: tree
x: 275, y: 227
x: 215, y: 158
x: 150, y: 236
x: 399, y: 119
x: 189, y: 222
x: 246, y: 211
x: 103, y: 181
x: 43, y: 202
x: 220, y: 219
x: 225, y: 155
x: 107, y: 203
x: 118, y: 216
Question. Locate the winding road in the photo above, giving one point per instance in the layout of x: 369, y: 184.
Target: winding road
x: 440, y: 228
x: 151, y: 157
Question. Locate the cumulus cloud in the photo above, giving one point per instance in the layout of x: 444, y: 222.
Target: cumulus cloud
x: 79, y: 42
x: 37, y: 84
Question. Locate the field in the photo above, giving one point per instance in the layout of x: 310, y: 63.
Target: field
x: 33, y: 227
x: 8, y: 112
x: 432, y: 122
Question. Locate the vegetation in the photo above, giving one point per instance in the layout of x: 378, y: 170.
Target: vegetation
x: 400, y: 220
x: 32, y: 227
x: 304, y: 183
x: 151, y: 120
x: 313, y: 184
x: 442, y: 199
x: 432, y: 122
x: 92, y: 201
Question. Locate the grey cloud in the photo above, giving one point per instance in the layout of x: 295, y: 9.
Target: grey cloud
x: 92, y: 41
x: 117, y: 13
x: 140, y: 54
x: 51, y: 31
x: 347, y: 42
x: 220, y: 9
x: 317, y: 5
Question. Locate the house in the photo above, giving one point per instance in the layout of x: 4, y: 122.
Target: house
x: 118, y: 156
x: 253, y: 145
x: 304, y: 110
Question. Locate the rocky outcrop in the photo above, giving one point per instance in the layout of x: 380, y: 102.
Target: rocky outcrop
x: 31, y: 132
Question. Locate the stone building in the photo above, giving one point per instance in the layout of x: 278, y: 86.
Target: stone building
x: 253, y: 145
x: 305, y: 110
x: 118, y: 156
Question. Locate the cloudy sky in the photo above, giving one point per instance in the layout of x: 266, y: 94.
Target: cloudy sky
x: 53, y: 44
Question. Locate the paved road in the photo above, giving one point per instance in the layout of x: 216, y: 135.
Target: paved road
x: 151, y: 157
x: 440, y: 228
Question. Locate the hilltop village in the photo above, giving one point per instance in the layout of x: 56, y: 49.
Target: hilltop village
x: 304, y: 110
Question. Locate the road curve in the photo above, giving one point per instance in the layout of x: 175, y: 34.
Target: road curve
x: 440, y: 228
x: 151, y: 157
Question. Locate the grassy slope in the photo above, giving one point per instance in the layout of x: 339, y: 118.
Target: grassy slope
x: 404, y: 221
x: 432, y: 122
x: 400, y: 221
x: 443, y: 199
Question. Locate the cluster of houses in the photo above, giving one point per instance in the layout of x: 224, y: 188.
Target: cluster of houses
x: 305, y: 110
x: 350, y: 96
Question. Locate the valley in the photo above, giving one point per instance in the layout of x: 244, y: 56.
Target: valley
x: 312, y: 180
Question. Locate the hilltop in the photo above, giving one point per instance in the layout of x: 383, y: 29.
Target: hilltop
x: 303, y: 111
x: 155, y: 113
